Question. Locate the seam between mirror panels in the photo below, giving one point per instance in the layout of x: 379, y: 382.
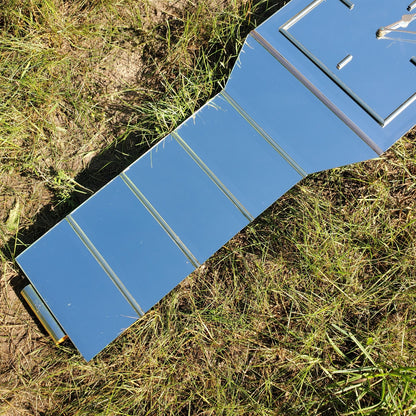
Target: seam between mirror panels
x: 212, y: 176
x: 315, y: 91
x: 262, y: 133
x: 159, y: 219
x: 105, y: 266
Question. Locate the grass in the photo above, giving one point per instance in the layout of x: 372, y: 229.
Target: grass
x: 309, y: 310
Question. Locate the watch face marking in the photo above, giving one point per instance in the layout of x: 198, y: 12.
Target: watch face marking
x: 344, y: 62
x: 349, y: 4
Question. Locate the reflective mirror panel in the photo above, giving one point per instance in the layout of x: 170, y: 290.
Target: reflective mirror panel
x: 188, y: 200
x: 238, y: 155
x: 135, y: 246
x: 336, y: 47
x: 298, y: 121
x: 76, y: 289
x: 379, y: 72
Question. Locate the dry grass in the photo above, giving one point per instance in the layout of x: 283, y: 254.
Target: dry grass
x: 309, y: 310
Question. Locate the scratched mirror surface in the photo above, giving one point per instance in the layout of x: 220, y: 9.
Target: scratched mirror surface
x: 290, y: 114
x: 137, y: 249
x: 85, y: 301
x: 341, y: 48
x: 246, y: 162
x: 196, y: 209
